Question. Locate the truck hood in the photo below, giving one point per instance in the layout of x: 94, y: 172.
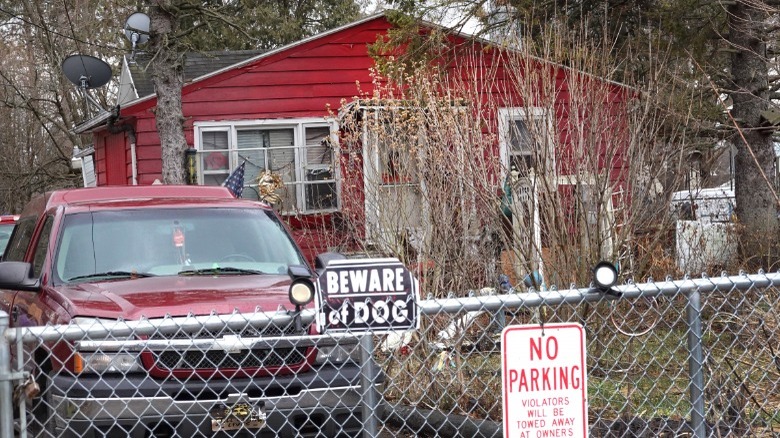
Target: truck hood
x: 154, y: 297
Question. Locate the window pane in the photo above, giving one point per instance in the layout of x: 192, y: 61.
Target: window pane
x: 318, y: 150
x: 5, y: 234
x: 214, y: 140
x: 251, y: 145
x: 519, y: 138
x: 521, y: 147
x: 20, y: 240
x: 396, y: 142
x: 213, y: 157
x: 288, y: 195
x: 252, y: 139
x: 215, y: 179
x: 281, y: 154
x: 41, y: 248
x: 319, y: 167
x: 320, y: 196
x: 214, y: 151
x: 522, y: 164
x: 214, y: 161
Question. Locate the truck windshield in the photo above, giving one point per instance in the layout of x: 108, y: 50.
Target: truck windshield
x: 153, y: 242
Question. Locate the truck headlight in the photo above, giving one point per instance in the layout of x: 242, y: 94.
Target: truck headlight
x: 336, y: 354
x: 103, y: 362
x: 98, y: 362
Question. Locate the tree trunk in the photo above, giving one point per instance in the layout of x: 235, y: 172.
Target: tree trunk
x: 754, y: 188
x: 167, y: 74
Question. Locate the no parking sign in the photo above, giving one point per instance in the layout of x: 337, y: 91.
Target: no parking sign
x: 544, y: 379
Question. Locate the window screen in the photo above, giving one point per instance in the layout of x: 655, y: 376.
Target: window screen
x: 300, y: 154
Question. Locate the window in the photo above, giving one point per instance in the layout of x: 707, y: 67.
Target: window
x: 526, y: 152
x: 20, y: 240
x: 42, y: 247
x: 393, y: 140
x: 299, y: 151
x: 5, y: 235
x: 167, y: 241
x: 525, y: 139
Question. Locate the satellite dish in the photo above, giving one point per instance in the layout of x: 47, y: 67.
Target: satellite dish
x: 86, y: 71
x: 137, y: 28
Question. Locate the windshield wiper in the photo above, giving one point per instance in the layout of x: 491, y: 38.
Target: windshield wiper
x: 219, y: 270
x: 113, y: 274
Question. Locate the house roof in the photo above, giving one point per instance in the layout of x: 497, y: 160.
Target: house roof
x: 196, y: 65
x: 201, y: 67
x: 132, y: 93
x: 135, y: 81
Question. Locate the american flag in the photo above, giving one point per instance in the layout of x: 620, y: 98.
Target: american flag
x: 235, y: 182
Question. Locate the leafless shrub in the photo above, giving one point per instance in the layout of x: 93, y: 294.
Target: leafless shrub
x: 588, y: 175
x: 585, y: 173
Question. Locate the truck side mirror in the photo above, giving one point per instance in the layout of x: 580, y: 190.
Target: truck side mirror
x: 18, y: 276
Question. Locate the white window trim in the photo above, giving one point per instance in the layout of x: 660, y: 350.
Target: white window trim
x: 514, y: 113
x: 297, y: 125
x: 372, y: 180
x: 505, y: 115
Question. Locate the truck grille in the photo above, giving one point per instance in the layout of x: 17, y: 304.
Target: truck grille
x: 195, y: 359
x: 257, y: 358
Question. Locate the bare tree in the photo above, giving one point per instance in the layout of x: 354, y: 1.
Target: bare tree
x: 39, y: 105
x: 755, y: 163
x: 167, y: 66
x: 575, y: 189
x: 715, y: 49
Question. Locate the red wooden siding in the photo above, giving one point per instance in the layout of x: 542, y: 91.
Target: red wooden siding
x: 100, y: 157
x: 116, y: 160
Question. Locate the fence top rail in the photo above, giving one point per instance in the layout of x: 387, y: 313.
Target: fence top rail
x: 100, y: 328
x: 517, y: 300
x: 93, y: 328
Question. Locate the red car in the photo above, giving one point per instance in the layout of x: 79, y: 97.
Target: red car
x: 7, y: 223
x: 110, y: 253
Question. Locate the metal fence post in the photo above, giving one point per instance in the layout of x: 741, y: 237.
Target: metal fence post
x: 6, y: 400
x: 368, y: 376
x: 696, y: 363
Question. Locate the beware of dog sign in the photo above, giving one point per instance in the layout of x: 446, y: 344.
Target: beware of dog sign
x: 376, y: 295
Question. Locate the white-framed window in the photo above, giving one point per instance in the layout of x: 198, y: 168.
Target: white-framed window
x: 526, y: 152
x: 525, y: 141
x: 394, y: 204
x: 300, y: 151
x: 403, y: 149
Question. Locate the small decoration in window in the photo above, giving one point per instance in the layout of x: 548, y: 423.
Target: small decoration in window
x: 268, y: 183
x: 178, y: 237
x: 216, y: 161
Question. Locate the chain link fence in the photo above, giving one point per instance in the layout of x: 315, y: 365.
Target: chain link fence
x: 694, y: 357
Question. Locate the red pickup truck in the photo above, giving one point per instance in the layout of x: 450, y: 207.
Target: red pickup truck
x: 91, y: 256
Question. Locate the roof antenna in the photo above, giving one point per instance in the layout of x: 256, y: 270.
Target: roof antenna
x: 87, y: 72
x: 137, y: 31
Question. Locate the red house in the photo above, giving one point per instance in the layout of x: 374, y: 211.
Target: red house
x: 276, y: 111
